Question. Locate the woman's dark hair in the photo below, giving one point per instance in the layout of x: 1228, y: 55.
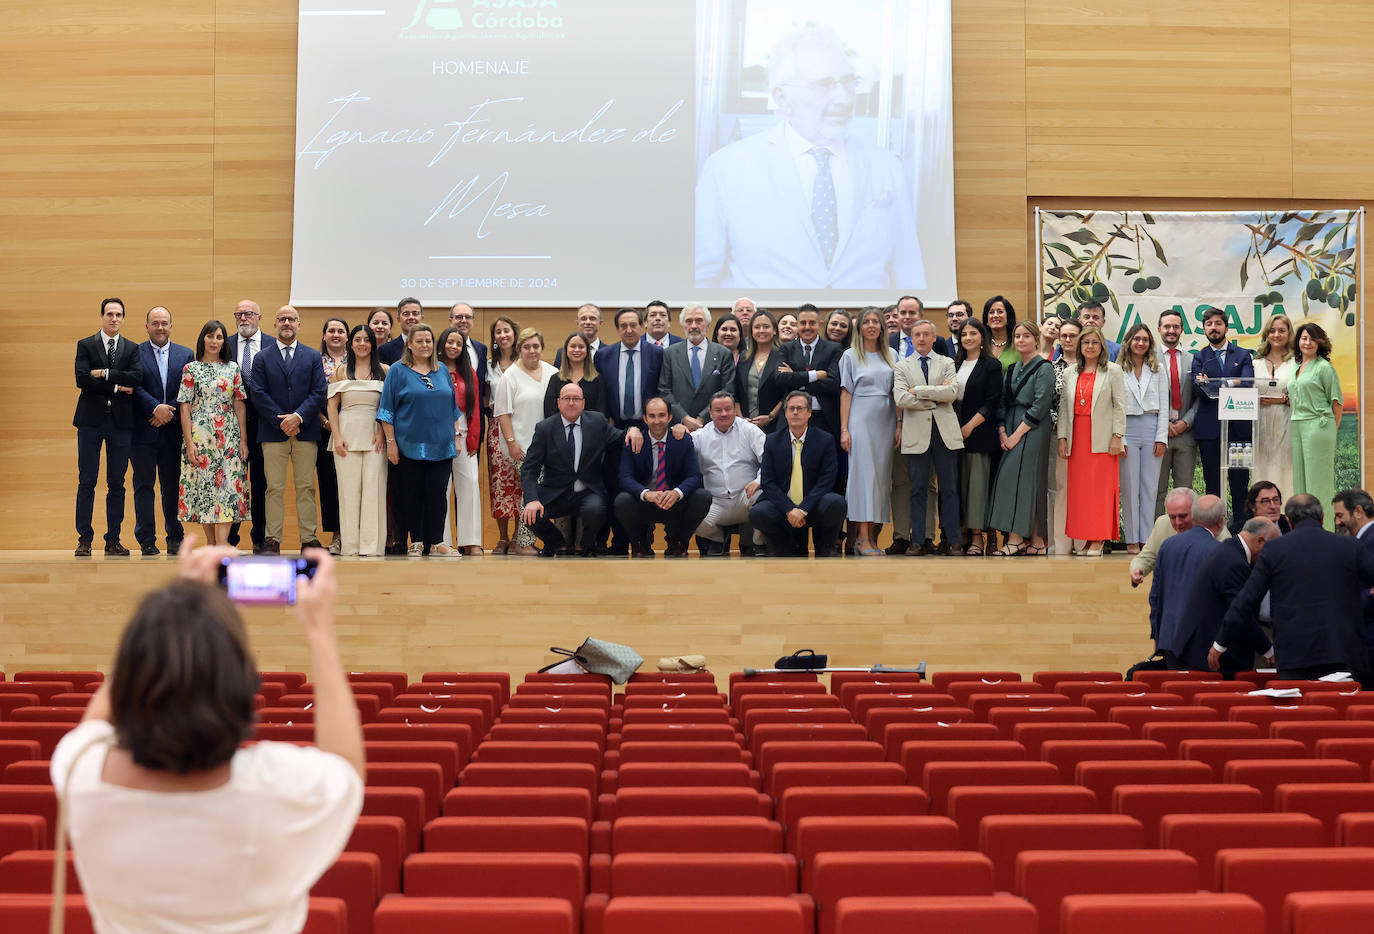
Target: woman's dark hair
x: 1011, y: 312
x: 462, y: 366
x: 495, y: 351
x: 351, y: 359
x: 206, y: 330
x: 1318, y: 335
x: 324, y: 348
x: 985, y: 350
x: 849, y: 329
x: 715, y: 332
x: 181, y: 694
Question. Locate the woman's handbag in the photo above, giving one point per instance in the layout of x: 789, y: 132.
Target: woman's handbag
x: 600, y: 657
x: 802, y: 660
x: 677, y: 664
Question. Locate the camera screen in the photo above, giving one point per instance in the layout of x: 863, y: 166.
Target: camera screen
x: 270, y: 581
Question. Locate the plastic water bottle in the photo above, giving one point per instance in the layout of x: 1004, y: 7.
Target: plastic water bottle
x: 1231, y: 455
x: 1249, y: 457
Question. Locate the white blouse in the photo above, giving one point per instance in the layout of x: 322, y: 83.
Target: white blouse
x: 521, y: 396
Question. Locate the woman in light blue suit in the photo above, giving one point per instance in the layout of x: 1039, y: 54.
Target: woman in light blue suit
x: 1147, y: 433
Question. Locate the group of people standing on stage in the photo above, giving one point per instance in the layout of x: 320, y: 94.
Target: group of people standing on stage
x: 1050, y: 434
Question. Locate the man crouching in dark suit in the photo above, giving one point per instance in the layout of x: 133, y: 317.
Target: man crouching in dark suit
x: 1220, y: 578
x: 662, y: 483
x: 107, y: 370
x: 562, y: 473
x: 788, y: 505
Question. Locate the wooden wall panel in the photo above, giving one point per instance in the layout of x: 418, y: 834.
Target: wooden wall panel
x: 1333, y: 81
x: 1158, y: 97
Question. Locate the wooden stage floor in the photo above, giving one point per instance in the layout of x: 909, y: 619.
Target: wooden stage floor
x: 499, y: 613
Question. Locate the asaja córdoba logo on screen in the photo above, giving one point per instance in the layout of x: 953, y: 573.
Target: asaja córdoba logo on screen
x: 445, y: 18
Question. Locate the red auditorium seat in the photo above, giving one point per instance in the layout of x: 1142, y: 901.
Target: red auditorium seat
x: 484, y: 702
x: 355, y: 879
x: 1138, y: 718
x: 292, y: 679
x: 1202, y: 836
x: 803, y: 732
x: 1355, y: 828
x: 458, y: 734
x: 805, y: 774
x: 556, y: 678
x: 1337, y: 700
x: 71, y: 715
x: 523, y: 875
x: 9, y: 702
x: 1270, y: 875
x: 1002, y: 837
x: 30, y: 772
x: 1067, y: 753
x: 774, y: 677
x: 896, y: 735
x: 385, y: 838
x: 963, y: 691
x: 670, y: 677
x: 518, y: 802
x: 548, y: 733
x: 426, y: 776
x: 1150, y: 803
x: 701, y: 801
x: 937, y: 778
x: 1268, y: 774
x: 18, y: 750
x: 969, y: 804
x: 556, y: 702
x: 739, y: 914
x: 406, y: 803
x: 655, y: 715
x: 83, y: 681
x: 1172, y: 734
x: 397, y: 679
x: 1052, y: 679
x: 403, y: 915
x: 29, y: 872
x: 671, y: 701
x: 840, y: 681
x: 562, y: 688
x: 835, y: 876
x: 1310, y: 732
x: 1006, y: 719
x: 671, y: 751
x: 1263, y: 716
x: 22, y: 832
x: 983, y: 704
x: 1328, y: 913
x: 966, y: 914
x: 1155, y: 680
x: 915, y: 754
x: 696, y: 834
x: 32, y: 799
x: 1034, y: 735
x: 880, y: 720
x: 876, y: 801
x: 1045, y: 877
x: 865, y: 703
x: 1190, y: 688
x: 787, y: 689
x: 444, y: 755
x: 815, y: 835
x: 1223, y: 701
x: 471, y: 717
x: 593, y: 715
x: 469, y: 677
x: 40, y: 689
x: 530, y: 775
x: 943, y: 679
x: 1359, y: 751
x: 1326, y: 801
x: 1075, y: 688
x: 787, y: 702
x: 1218, y: 752
x: 507, y: 835
x: 1105, y: 703
x: 778, y: 751
x: 1102, y: 776
x: 495, y: 750
x: 46, y: 735
x: 670, y: 688
x: 687, y: 774
x: 28, y: 914
x: 1198, y: 913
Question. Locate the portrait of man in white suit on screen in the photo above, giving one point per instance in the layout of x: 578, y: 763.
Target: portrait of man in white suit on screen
x: 806, y: 204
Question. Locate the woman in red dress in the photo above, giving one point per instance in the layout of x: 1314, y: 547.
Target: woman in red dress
x: 1092, y: 424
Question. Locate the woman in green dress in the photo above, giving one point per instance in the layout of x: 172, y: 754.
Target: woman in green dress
x: 1315, y: 398
x: 214, y: 478
x: 1000, y: 317
x: 1018, y: 502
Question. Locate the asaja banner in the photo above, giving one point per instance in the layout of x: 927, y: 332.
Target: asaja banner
x: 1251, y: 264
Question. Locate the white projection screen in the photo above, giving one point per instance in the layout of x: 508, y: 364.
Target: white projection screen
x: 554, y: 152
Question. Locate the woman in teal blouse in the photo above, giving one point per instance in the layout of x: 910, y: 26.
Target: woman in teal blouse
x: 1314, y: 397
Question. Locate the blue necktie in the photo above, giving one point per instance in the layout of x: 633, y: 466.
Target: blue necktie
x: 925, y: 368
x: 908, y: 349
x: 696, y: 365
x: 161, y: 353
x: 823, y: 211
x: 627, y: 393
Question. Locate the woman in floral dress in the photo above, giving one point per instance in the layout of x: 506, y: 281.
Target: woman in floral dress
x: 214, y: 476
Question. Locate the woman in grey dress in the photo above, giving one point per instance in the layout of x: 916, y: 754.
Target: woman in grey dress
x: 868, y: 428
x: 1018, y: 492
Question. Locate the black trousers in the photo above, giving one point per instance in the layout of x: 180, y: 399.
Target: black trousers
x: 327, y: 485
x: 679, y: 522
x: 1236, y: 480
x: 117, y: 443
x: 946, y: 466
x: 784, y: 541
x: 587, y: 506
x: 158, y: 462
x: 421, y: 509
x: 257, y: 496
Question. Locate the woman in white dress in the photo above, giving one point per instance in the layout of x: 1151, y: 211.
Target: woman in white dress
x: 868, y: 432
x: 1147, y: 434
x: 358, y: 445
x: 502, y: 473
x: 1273, y: 447
x: 463, y: 500
x: 518, y: 404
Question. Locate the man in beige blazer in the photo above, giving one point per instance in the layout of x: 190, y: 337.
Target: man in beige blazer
x: 924, y: 386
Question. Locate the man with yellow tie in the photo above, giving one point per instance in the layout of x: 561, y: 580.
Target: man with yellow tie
x: 798, y: 476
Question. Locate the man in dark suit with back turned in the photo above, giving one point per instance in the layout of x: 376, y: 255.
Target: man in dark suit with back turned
x: 107, y: 370
x: 789, y: 504
x: 662, y: 483
x: 1315, y: 581
x: 1219, y: 359
x: 563, y: 472
x: 244, y: 346
x: 1220, y: 577
x: 157, y: 432
x: 1354, y: 512
x: 288, y: 392
x: 1180, y: 559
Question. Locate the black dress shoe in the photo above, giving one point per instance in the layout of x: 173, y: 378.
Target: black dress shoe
x: 919, y: 550
x: 149, y: 550
x: 260, y: 548
x: 947, y: 548
x: 827, y: 553
x: 547, y: 552
x: 313, y: 543
x: 676, y: 549
x: 587, y: 552
x: 115, y: 548
x: 174, y: 547
x: 898, y: 546
x: 270, y: 546
x: 640, y: 550
x: 83, y: 550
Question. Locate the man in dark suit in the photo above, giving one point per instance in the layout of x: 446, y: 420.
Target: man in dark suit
x: 589, y: 326
x: 244, y: 346
x: 1219, y: 359
x: 911, y: 309
x: 462, y: 317
x: 1264, y: 500
x: 107, y: 370
x: 410, y: 313
x: 694, y: 371
x: 815, y: 365
x: 288, y: 391
x: 157, y: 432
x: 662, y: 483
x: 630, y: 371
x: 1353, y: 511
x: 1315, y: 580
x: 1221, y: 576
x: 788, y: 505
x: 1176, y: 568
x: 656, y: 321
x: 563, y: 472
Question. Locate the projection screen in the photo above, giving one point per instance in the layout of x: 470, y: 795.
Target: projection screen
x: 553, y: 152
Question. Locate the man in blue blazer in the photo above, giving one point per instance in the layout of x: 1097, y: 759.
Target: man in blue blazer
x: 462, y: 317
x: 244, y: 346
x: 911, y: 309
x: 1219, y: 359
x: 656, y: 321
x: 1220, y: 578
x: 806, y: 204
x: 1180, y: 558
x: 288, y: 392
x: 1354, y: 512
x: 787, y: 505
x: 157, y: 432
x: 628, y: 362
x: 409, y: 312
x: 661, y: 483
x: 1315, y: 581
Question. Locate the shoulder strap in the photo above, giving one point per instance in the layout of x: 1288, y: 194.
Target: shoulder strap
x: 57, y: 913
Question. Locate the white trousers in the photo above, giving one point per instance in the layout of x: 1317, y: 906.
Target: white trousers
x: 362, y: 502
x: 465, y: 490
x: 726, y: 510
